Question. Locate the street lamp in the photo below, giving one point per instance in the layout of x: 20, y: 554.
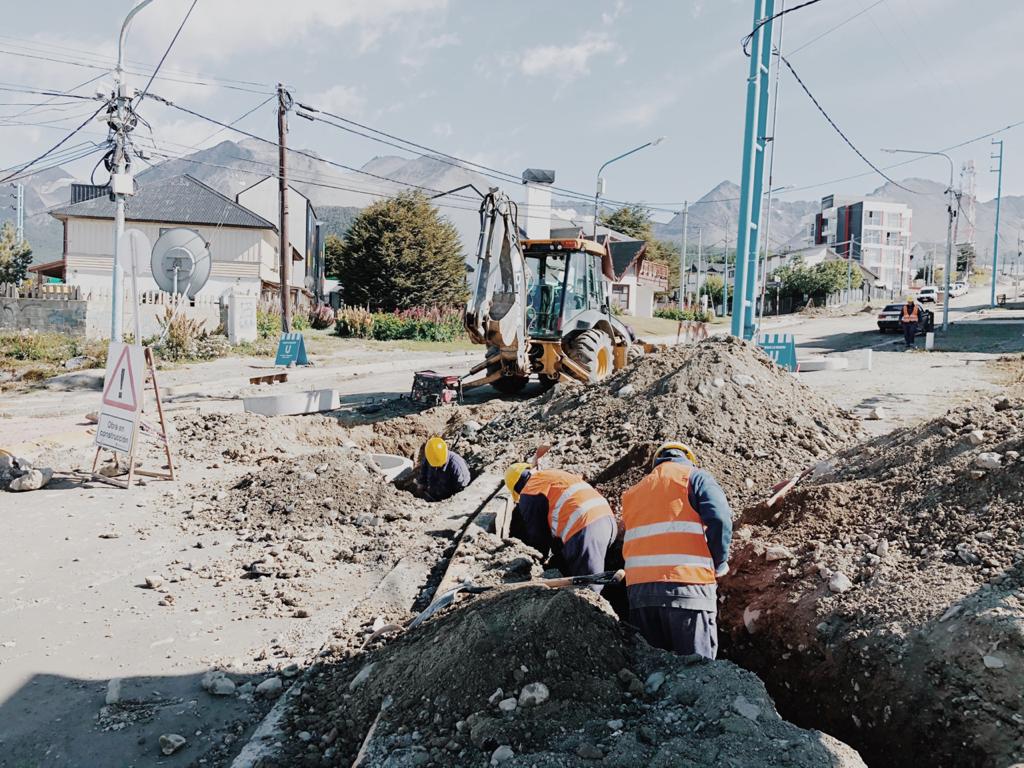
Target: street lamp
x: 600, y: 182
x: 949, y: 227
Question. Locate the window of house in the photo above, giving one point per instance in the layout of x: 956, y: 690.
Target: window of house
x: 620, y: 296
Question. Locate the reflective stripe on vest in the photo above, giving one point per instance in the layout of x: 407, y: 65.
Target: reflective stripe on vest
x: 909, y: 317
x: 664, y: 540
x: 572, y: 503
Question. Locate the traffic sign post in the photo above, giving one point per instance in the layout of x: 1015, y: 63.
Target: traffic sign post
x: 120, y: 415
x: 780, y: 347
x: 291, y: 349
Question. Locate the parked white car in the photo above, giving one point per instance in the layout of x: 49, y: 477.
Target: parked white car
x: 958, y: 288
x: 929, y: 293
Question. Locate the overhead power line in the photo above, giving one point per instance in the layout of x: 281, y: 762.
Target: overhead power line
x: 750, y: 36
x: 56, y: 146
x: 169, y: 46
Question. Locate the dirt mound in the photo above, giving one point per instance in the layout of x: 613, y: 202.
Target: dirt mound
x: 750, y: 422
x: 249, y: 438
x: 892, y: 586
x: 537, y: 677
x: 332, y: 487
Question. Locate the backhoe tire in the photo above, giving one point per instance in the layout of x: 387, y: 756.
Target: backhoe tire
x: 593, y: 351
x: 507, y: 385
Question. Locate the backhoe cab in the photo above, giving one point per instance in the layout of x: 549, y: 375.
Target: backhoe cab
x: 541, y: 307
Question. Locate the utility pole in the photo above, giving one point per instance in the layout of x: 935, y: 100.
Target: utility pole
x: 284, y: 103
x: 682, y: 257
x: 725, y: 280
x: 121, y: 183
x: 849, y: 269
x: 700, y: 259
x: 999, y: 196
x: 19, y: 208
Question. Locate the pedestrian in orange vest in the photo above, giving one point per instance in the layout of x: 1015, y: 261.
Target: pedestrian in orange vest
x: 557, y: 511
x: 909, y: 319
x: 678, y: 527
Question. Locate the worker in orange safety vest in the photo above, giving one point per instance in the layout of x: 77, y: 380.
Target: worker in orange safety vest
x: 678, y: 527
x: 909, y: 320
x: 559, y: 512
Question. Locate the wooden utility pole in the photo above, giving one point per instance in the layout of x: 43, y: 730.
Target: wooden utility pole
x: 284, y: 102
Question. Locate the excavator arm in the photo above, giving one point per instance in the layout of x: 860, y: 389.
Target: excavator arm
x: 496, y: 308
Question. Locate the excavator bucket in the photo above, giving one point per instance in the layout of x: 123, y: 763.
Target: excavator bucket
x: 496, y: 309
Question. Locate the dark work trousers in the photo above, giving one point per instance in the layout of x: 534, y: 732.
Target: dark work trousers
x: 585, y: 552
x: 682, y: 630
x: 909, y: 332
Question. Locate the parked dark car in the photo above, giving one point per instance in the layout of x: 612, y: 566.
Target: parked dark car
x: 889, y: 319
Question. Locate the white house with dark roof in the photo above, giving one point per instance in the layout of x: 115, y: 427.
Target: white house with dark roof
x: 243, y: 245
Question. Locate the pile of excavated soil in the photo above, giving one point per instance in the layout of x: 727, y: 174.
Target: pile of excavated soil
x: 887, y: 592
x: 331, y: 487
x: 537, y: 677
x: 249, y: 438
x: 750, y: 422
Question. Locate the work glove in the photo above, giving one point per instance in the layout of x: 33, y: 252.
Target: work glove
x: 721, y: 570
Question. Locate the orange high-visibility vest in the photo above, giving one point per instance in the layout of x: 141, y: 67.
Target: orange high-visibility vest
x: 909, y: 317
x: 572, y: 503
x: 664, y: 538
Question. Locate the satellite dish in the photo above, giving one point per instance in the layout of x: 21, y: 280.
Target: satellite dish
x: 181, y: 262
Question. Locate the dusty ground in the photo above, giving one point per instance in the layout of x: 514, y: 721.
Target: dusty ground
x: 82, y: 616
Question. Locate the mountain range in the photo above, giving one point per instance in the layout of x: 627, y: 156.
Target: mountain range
x: 338, y: 193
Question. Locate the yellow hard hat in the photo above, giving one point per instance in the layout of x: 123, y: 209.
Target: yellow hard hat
x: 436, y: 452
x: 513, y: 475
x: 909, y: 299
x: 675, y: 447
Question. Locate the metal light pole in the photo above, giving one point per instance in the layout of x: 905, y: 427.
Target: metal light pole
x: 949, y: 227
x: 121, y: 184
x: 600, y: 182
x: 682, y: 258
x: 999, y: 199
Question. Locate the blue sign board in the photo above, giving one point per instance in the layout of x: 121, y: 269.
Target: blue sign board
x: 291, y: 349
x: 780, y: 347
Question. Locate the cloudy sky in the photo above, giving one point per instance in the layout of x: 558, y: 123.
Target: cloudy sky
x: 561, y: 84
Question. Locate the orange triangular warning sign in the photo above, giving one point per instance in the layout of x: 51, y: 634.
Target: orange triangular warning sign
x: 120, y: 388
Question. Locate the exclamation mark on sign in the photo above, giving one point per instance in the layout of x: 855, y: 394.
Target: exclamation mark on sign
x: 120, y: 388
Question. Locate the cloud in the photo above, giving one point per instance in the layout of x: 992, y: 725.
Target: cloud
x: 565, y: 63
x: 645, y: 107
x: 609, y: 17
x: 697, y: 8
x: 416, y: 54
x: 340, y: 99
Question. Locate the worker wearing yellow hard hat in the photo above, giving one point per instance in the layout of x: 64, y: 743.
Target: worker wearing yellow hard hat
x: 678, y: 527
x: 559, y: 513
x: 443, y: 472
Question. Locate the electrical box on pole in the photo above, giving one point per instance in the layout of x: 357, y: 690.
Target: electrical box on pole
x: 752, y: 174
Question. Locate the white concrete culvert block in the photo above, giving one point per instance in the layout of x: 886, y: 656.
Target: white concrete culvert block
x: 988, y: 460
x: 823, y: 364
x: 533, y: 695
x: 839, y: 582
x: 295, y: 403
x: 391, y: 465
x: 976, y: 437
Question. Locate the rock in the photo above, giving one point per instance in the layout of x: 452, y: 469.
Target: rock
x: 304, y: 736
x: 77, y: 362
x: 748, y: 483
x: 471, y: 427
x: 654, y: 682
x: 222, y: 686
x: 745, y: 707
x: 113, y: 691
x: 993, y: 662
x: 988, y: 460
x: 975, y: 474
x: 153, y: 582
x: 750, y: 617
x: 171, y: 743
x: 743, y: 380
x: 502, y: 754
x: 495, y: 697
x: 307, y: 477
x: 1012, y: 455
x: 839, y: 583
x: 626, y: 391
x: 588, y: 751
x: 778, y: 552
x: 877, y: 414
x: 947, y: 431
x: 630, y: 682
x: 362, y: 676
x: 92, y: 417
x: 615, y: 725
x: 718, y: 382
x: 1002, y: 404
x: 507, y: 705
x: 533, y: 695
x: 32, y: 480
x: 882, y: 548
x: 270, y: 688
x: 976, y: 437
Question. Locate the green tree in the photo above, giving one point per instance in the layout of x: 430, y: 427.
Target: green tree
x: 965, y: 258
x: 400, y: 253
x: 800, y: 281
x: 333, y: 246
x: 15, y: 257
x: 634, y: 220
x: 713, y: 287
